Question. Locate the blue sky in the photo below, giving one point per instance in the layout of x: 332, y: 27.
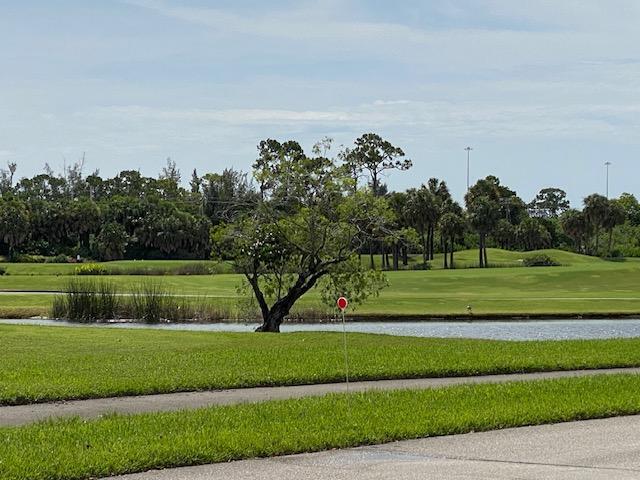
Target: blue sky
x: 544, y: 91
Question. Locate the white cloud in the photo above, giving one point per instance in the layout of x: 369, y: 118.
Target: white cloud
x: 439, y: 118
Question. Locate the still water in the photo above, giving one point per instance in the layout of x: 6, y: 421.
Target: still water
x: 498, y: 330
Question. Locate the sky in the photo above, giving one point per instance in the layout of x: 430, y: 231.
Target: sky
x: 544, y: 92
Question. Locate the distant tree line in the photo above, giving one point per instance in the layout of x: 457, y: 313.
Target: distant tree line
x: 135, y: 216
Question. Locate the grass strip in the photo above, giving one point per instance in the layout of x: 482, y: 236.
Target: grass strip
x: 76, y: 449
x: 54, y: 363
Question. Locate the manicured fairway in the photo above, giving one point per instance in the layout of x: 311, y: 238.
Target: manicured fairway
x: 51, y: 363
x: 582, y: 286
x: 77, y: 449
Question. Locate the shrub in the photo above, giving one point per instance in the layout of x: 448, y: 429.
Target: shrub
x: 3, y: 270
x: 159, y: 270
x: 421, y: 266
x: 616, y: 253
x: 61, y: 258
x: 540, y: 260
x: 628, y: 251
x: 23, y: 258
x: 91, y: 269
x: 138, y: 270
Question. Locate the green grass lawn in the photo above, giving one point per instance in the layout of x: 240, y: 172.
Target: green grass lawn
x: 52, y: 363
x: 79, y: 449
x: 69, y: 268
x: 582, y: 286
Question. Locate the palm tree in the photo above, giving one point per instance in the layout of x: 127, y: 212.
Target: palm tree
x: 452, y: 226
x: 483, y: 217
x: 504, y: 234
x: 596, y: 208
x: 442, y: 204
x: 574, y: 224
x: 615, y: 216
x: 421, y: 212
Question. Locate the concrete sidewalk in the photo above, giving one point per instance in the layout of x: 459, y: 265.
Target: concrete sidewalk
x: 588, y: 450
x: 24, y: 414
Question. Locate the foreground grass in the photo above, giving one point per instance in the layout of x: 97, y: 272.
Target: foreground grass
x: 582, y: 286
x: 76, y: 449
x: 52, y: 363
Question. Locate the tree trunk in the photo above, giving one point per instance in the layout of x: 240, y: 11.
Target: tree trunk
x: 431, y: 235
x: 451, y: 255
x: 424, y: 248
x: 610, y: 242
x: 371, y: 260
x: 444, y: 244
x: 271, y: 325
x: 405, y: 255
x: 273, y: 317
x: 597, y: 252
x: 277, y: 313
x: 480, y: 247
x: 484, y: 248
x: 396, y: 256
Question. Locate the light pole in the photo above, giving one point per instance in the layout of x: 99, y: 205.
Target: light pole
x: 468, y: 149
x: 606, y: 164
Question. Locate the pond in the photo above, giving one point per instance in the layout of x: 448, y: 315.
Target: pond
x: 497, y: 330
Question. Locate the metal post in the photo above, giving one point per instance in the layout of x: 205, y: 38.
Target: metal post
x: 468, y: 149
x: 607, y: 166
x: 346, y: 355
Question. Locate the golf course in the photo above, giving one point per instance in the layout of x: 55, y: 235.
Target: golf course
x: 580, y: 286
x: 44, y: 364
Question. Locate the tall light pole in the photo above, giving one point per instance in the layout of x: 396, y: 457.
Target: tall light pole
x: 468, y: 149
x: 606, y: 164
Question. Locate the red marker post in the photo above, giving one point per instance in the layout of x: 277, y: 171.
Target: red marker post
x: 342, y: 303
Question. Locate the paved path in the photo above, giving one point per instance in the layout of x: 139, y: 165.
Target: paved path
x: 23, y: 414
x: 588, y: 450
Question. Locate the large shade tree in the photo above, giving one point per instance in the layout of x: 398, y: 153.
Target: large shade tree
x: 14, y: 223
x: 374, y: 155
x: 301, y: 230
x: 550, y: 202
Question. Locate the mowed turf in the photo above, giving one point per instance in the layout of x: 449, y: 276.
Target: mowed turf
x: 78, y: 449
x: 581, y: 286
x: 52, y: 363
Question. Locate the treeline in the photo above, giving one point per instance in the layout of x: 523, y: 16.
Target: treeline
x: 127, y: 216
x: 63, y: 215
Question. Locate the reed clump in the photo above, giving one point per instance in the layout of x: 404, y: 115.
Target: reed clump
x: 99, y: 300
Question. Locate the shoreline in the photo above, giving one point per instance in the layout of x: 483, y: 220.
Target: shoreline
x: 373, y: 318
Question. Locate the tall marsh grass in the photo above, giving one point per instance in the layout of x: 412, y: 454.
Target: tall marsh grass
x: 87, y: 300
x: 95, y: 300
